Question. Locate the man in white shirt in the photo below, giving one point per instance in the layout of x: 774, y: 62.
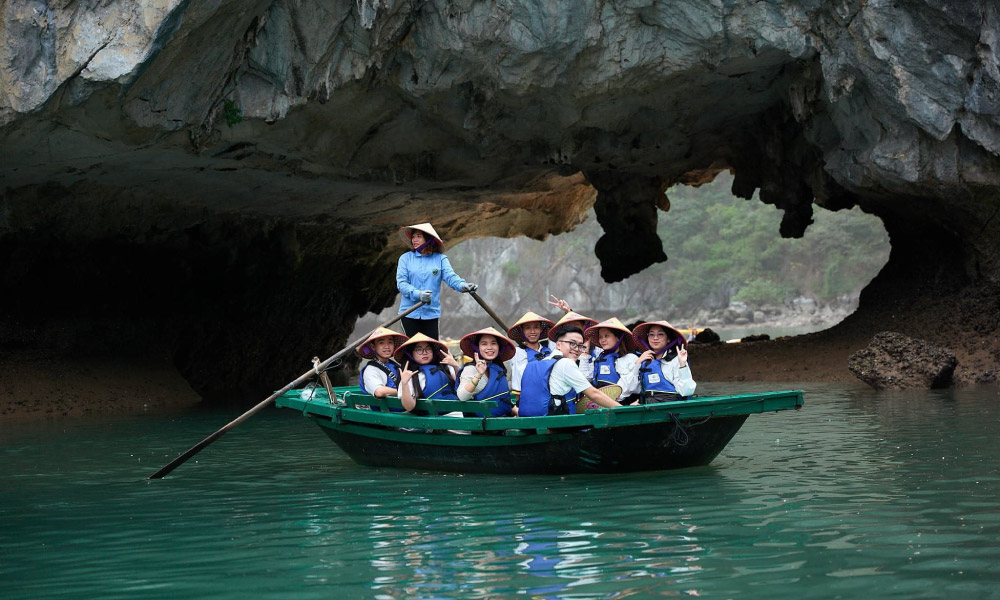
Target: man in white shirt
x: 549, y: 386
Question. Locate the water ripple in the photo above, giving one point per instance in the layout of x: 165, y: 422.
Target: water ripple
x: 859, y: 494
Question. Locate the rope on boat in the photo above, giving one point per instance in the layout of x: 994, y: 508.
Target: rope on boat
x: 330, y: 367
x: 310, y: 389
x: 324, y: 378
x: 679, y: 435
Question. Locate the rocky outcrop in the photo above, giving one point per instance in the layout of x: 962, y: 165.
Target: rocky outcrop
x: 897, y: 362
x: 263, y: 152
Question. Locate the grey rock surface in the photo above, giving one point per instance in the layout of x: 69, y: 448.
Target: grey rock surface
x: 273, y: 120
x: 894, y: 361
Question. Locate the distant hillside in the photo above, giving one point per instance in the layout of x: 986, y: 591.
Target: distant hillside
x: 725, y: 262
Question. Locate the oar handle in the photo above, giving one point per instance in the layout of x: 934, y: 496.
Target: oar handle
x: 489, y: 311
x: 297, y: 382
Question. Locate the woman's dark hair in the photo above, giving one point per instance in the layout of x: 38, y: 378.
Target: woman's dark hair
x: 430, y: 246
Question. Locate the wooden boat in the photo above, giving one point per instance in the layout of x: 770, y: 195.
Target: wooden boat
x: 668, y: 435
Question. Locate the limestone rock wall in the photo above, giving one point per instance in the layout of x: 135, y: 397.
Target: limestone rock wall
x: 368, y: 113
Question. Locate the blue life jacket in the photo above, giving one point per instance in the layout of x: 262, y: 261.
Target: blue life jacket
x: 605, y: 371
x: 543, y: 352
x: 651, y: 378
x: 437, y: 384
x: 391, y: 370
x: 536, y: 396
x: 496, y: 389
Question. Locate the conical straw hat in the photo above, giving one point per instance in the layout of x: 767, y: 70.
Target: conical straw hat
x: 428, y: 229
x: 365, y: 350
x: 400, y: 353
x: 642, y: 330
x: 572, y: 317
x: 611, y: 391
x: 627, y: 341
x: 517, y: 335
x: 470, y: 344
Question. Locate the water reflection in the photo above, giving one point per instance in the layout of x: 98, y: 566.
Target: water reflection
x: 417, y: 555
x: 859, y: 494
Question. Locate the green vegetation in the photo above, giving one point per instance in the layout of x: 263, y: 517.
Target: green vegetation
x: 232, y: 112
x: 721, y: 246
x: 511, y: 269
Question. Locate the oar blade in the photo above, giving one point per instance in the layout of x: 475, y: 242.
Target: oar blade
x: 183, y: 458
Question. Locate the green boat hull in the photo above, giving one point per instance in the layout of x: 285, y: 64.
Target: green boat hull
x: 671, y: 435
x: 637, y: 448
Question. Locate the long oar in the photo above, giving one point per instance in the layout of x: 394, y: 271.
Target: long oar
x: 299, y: 381
x: 489, y: 311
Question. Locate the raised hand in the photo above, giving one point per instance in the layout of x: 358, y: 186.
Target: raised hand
x: 647, y: 355
x: 448, y: 359
x: 480, y: 364
x: 560, y: 304
x: 405, y: 393
x: 406, y: 374
x: 682, y: 356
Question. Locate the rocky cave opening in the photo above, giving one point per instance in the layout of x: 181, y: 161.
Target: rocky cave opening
x: 139, y: 217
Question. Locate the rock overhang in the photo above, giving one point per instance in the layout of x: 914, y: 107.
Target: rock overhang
x: 493, y: 120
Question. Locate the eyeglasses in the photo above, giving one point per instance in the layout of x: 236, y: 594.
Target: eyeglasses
x: 573, y: 345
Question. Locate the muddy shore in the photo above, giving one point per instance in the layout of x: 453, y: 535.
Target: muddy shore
x: 49, y: 384
x: 40, y: 383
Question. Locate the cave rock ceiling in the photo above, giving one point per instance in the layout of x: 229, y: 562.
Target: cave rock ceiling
x: 263, y: 152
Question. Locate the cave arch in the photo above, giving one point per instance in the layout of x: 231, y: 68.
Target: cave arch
x: 242, y: 248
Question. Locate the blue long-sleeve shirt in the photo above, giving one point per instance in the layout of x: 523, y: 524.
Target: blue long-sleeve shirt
x: 418, y: 272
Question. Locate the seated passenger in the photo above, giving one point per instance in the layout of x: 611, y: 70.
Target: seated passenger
x: 529, y: 332
x: 576, y: 320
x: 571, y: 317
x: 435, y: 369
x: 379, y: 377
x: 662, y: 372
x: 612, y: 354
x: 485, y: 378
x: 550, y: 385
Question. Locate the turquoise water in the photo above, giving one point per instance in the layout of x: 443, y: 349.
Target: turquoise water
x: 857, y: 495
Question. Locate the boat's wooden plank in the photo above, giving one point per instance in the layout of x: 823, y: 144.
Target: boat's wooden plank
x: 446, y: 437
x: 410, y: 420
x: 697, y: 408
x: 588, y: 419
x: 467, y: 406
x: 308, y: 407
x: 436, y: 406
x: 694, y: 408
x: 317, y: 394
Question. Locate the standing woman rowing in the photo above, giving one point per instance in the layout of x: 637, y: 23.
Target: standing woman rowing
x: 419, y: 274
